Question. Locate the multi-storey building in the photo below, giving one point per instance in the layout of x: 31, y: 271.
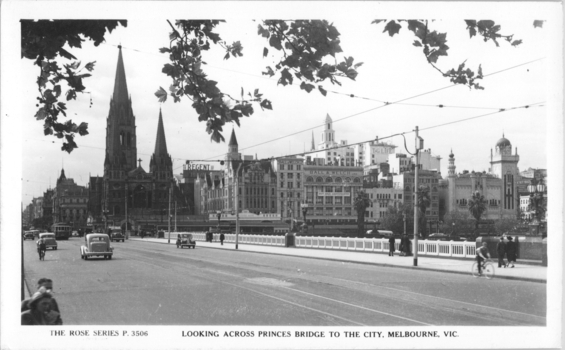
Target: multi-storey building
x: 254, y: 181
x: 373, y: 153
x: 290, y: 186
x: 429, y: 179
x: 48, y: 205
x: 330, y: 191
x: 70, y: 202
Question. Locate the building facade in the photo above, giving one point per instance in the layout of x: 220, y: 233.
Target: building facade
x: 499, y: 186
x: 333, y: 152
x: 330, y: 191
x: 70, y: 202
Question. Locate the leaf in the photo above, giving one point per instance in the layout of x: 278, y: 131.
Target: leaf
x: 377, y: 21
x: 41, y: 114
x: 392, y: 28
x: 307, y: 87
x: 266, y: 104
x: 164, y: 49
x: 538, y: 23
x: 516, y: 42
x: 161, y: 94
x: 322, y: 90
x: 71, y: 94
x: 275, y: 42
x: 90, y: 66
x: 416, y: 43
x: 265, y: 52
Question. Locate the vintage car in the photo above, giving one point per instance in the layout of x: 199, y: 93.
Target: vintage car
x: 185, y: 240
x: 28, y: 235
x: 49, y: 239
x: 117, y: 235
x: 96, y: 244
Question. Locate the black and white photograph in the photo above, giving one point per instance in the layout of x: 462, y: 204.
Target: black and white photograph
x: 281, y: 175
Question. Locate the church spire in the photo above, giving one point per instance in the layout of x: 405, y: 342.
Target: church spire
x: 160, y: 142
x: 120, y: 85
x: 233, y: 139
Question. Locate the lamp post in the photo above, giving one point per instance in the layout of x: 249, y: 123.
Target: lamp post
x: 105, y: 213
x: 536, y: 189
x: 304, y: 207
x: 170, y: 198
x: 219, y: 216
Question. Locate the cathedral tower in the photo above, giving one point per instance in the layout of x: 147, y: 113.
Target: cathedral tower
x: 233, y: 148
x: 121, y: 149
x: 161, y: 164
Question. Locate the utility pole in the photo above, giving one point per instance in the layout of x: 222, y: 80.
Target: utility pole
x: 419, y: 146
x: 175, y: 216
x: 126, y: 191
x: 170, y: 190
x: 237, y: 205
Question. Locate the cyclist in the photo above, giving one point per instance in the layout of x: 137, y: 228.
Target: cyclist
x: 41, y: 247
x: 482, y: 255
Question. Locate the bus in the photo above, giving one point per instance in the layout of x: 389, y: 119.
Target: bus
x: 61, y: 231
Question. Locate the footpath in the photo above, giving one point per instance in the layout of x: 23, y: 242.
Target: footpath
x: 525, y: 272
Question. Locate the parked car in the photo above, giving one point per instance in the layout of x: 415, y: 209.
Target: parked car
x: 28, y: 235
x: 96, y: 244
x: 49, y: 239
x: 185, y: 240
x: 75, y: 234
x: 117, y: 235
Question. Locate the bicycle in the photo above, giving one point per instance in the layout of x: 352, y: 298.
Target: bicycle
x: 487, y: 269
x: 41, y: 254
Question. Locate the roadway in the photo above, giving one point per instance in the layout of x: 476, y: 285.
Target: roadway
x: 158, y: 284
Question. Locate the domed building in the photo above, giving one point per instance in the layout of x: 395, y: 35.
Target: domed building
x: 499, y: 185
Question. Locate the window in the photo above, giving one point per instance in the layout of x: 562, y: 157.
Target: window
x: 281, y: 167
x: 298, y: 184
x: 272, y: 191
x: 319, y: 179
x: 328, y: 179
x: 329, y: 189
x: 291, y: 194
x: 298, y: 195
x: 298, y: 167
x: 282, y: 194
x: 291, y: 176
x: 282, y: 184
x: 329, y: 200
x: 290, y: 185
x: 298, y: 176
x: 290, y: 167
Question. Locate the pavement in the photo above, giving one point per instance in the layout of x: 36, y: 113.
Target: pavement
x: 525, y: 272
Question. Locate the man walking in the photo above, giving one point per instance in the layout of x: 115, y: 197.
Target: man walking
x: 222, y: 237
x: 511, y: 252
x: 501, y: 251
x: 391, y: 249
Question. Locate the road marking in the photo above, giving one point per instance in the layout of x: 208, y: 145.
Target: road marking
x: 441, y: 298
x: 293, y: 303
x: 358, y: 306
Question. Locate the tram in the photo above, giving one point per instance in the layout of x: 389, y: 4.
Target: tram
x: 61, y: 231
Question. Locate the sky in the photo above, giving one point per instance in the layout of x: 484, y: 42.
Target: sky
x: 393, y: 70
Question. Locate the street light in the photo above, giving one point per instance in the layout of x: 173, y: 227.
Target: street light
x: 304, y: 211
x: 536, y: 189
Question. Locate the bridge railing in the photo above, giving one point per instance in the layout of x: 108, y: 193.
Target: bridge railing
x: 425, y: 248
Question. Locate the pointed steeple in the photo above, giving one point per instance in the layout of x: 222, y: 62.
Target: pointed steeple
x: 160, y: 142
x: 233, y: 140
x: 120, y: 85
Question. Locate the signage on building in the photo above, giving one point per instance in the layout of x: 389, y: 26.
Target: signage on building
x: 193, y: 166
x: 335, y: 172
x: 323, y: 194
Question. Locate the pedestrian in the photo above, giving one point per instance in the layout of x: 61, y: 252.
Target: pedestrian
x: 222, y: 237
x: 391, y: 241
x: 47, y: 284
x: 511, y: 251
x: 41, y: 311
x: 501, y: 251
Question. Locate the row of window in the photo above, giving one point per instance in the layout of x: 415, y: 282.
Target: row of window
x: 329, y: 179
x: 290, y: 166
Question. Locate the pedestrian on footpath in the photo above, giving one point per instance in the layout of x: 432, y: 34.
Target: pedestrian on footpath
x: 511, y: 252
x: 391, y: 242
x: 40, y: 312
x: 501, y: 251
x: 222, y: 237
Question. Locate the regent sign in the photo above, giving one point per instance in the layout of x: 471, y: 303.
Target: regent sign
x: 197, y: 166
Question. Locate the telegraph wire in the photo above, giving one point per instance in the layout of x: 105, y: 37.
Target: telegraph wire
x: 353, y: 95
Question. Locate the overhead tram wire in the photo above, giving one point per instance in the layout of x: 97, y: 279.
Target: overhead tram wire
x: 353, y: 95
x: 384, y: 105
